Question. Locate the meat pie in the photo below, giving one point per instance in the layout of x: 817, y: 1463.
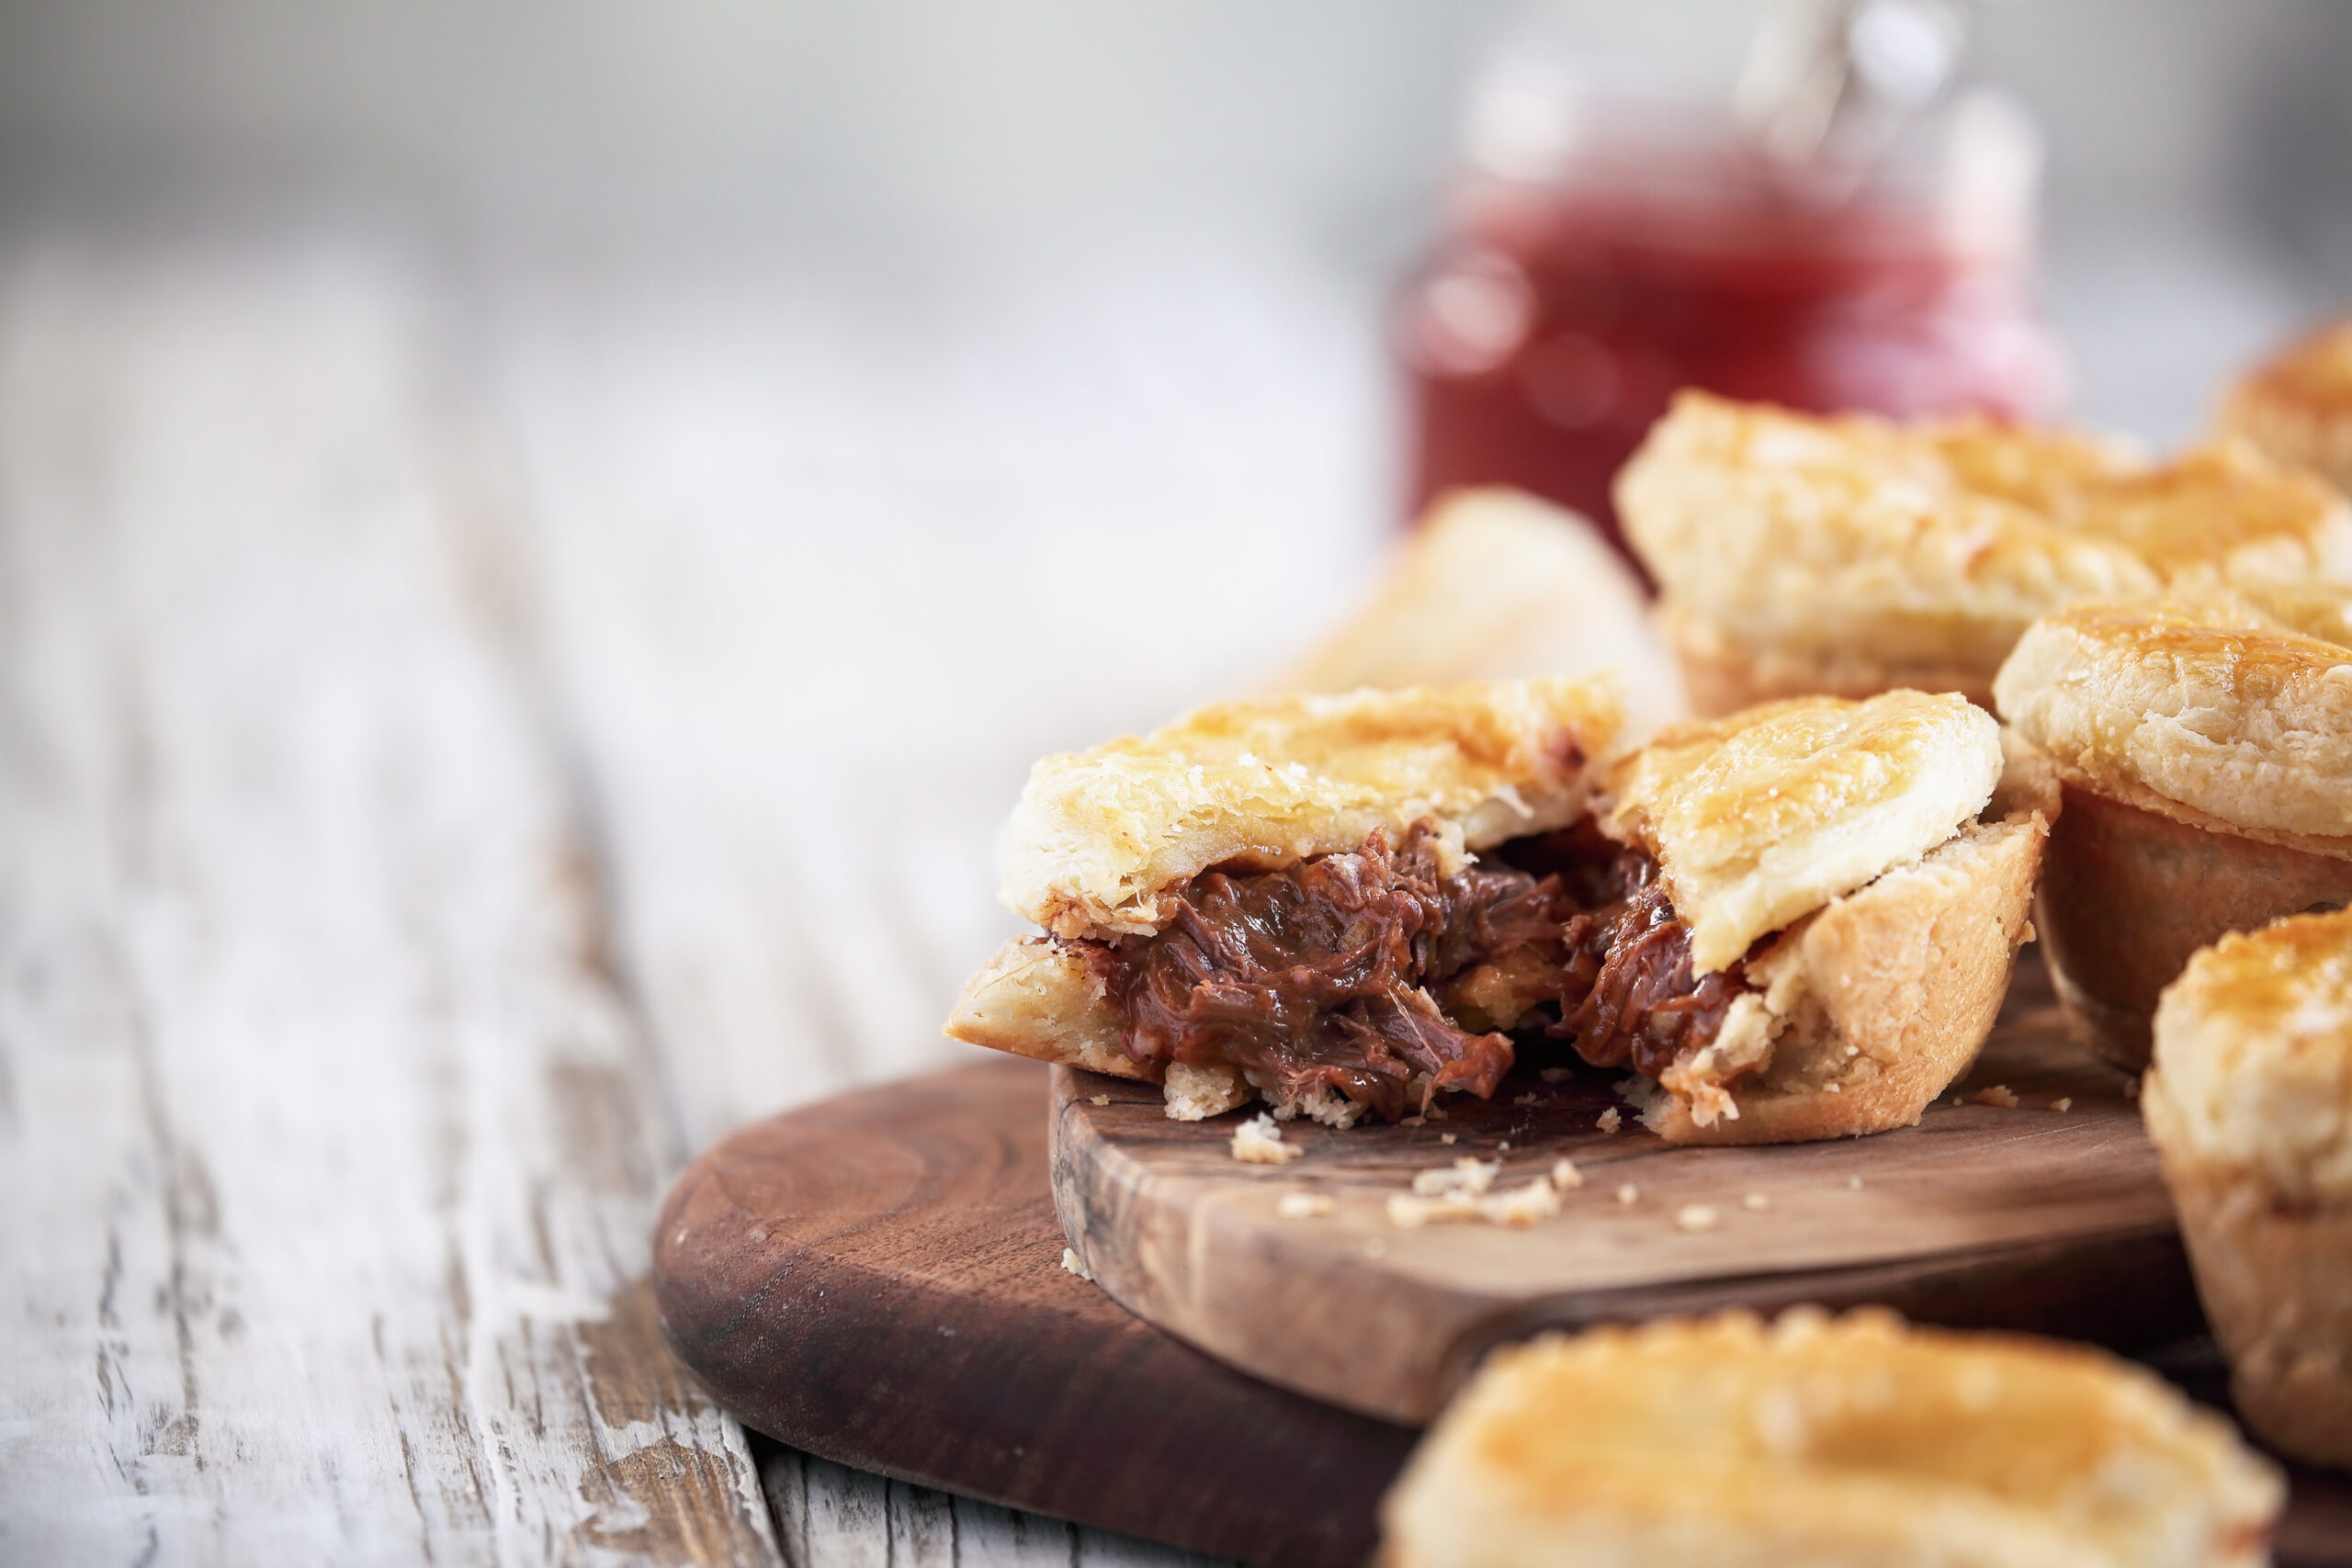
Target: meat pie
x: 1797, y: 923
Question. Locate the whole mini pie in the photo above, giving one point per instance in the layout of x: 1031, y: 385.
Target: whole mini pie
x: 2250, y: 1104
x: 2296, y: 405
x: 2205, y: 759
x: 1728, y: 1443
x: 1852, y: 555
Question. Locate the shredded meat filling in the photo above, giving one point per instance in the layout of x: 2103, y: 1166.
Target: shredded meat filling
x: 1374, y: 973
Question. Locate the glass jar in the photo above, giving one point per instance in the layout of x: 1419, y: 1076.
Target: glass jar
x: 1614, y: 240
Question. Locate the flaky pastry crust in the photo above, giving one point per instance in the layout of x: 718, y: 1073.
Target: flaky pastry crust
x: 2175, y: 709
x: 1850, y: 1441
x: 1763, y: 816
x: 1101, y: 835
x: 2250, y: 1105
x: 1496, y: 584
x: 1878, y: 555
x: 2296, y: 405
x: 2254, y: 1049
x: 1876, y: 1004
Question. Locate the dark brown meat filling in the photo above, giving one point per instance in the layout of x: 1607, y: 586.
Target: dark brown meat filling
x: 1373, y: 974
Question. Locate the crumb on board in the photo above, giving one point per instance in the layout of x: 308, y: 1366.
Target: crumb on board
x: 2062, y: 1104
x: 1464, y: 1175
x: 1504, y: 1146
x: 1565, y: 1174
x: 1610, y: 1120
x: 1466, y: 1190
x: 1259, y: 1141
x: 1302, y: 1205
x: 1695, y: 1217
x: 1999, y: 1095
x: 1756, y: 1202
x: 1445, y: 1137
x: 1628, y: 1192
x: 1436, y: 1113
x: 1855, y: 1182
x: 1098, y: 1100
x: 1413, y: 1121
x: 1556, y: 1075
x: 1075, y: 1265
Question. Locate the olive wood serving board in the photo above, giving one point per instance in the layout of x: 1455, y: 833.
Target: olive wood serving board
x: 2029, y: 1217
x: 878, y: 1279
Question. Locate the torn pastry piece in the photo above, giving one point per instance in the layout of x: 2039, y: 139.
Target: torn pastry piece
x: 1814, y: 1440
x: 1850, y: 555
x: 2205, y: 760
x: 1795, y: 921
x: 1497, y: 584
x: 2297, y: 404
x: 2249, y: 1102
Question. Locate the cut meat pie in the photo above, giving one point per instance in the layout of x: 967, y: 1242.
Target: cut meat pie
x: 1797, y: 553
x: 1794, y: 921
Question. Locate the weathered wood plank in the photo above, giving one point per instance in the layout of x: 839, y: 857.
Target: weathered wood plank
x: 335, y: 1149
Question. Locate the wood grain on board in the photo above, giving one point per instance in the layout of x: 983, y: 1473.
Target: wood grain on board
x: 878, y: 1279
x: 2032, y: 1218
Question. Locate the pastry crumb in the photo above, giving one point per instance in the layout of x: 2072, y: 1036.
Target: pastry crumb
x: 1628, y: 1192
x: 1695, y: 1217
x: 1075, y: 1265
x: 1528, y: 1099
x: 1756, y: 1202
x: 1098, y: 1100
x: 1302, y: 1205
x: 1556, y: 1075
x: 1504, y: 1146
x: 2000, y: 1095
x: 1259, y: 1141
x: 1414, y: 1122
x: 1610, y: 1120
x: 2062, y: 1104
x: 1855, y: 1182
x: 1464, y: 1175
x: 1565, y: 1176
x: 1435, y: 1113
x: 1445, y: 1137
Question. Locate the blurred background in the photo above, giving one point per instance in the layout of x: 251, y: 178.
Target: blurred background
x: 846, y: 403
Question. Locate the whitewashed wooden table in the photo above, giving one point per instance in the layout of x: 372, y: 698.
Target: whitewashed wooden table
x: 470, y: 735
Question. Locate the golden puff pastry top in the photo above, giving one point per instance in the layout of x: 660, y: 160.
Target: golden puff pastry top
x: 2186, y: 704
x: 1936, y: 544
x: 1846, y: 1440
x: 1101, y: 835
x: 1764, y: 816
x: 2254, y: 1057
x: 2296, y: 405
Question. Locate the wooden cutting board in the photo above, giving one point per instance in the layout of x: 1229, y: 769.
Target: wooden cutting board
x: 878, y: 1279
x: 2048, y: 1216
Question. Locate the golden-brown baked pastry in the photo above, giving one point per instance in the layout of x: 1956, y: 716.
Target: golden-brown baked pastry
x: 2250, y: 1103
x: 2296, y: 405
x: 1852, y: 555
x: 2206, y: 760
x: 1799, y: 922
x: 1832, y: 1441
x: 1496, y: 584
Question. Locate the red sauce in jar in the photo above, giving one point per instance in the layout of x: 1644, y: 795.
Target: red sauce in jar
x: 1551, y: 331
